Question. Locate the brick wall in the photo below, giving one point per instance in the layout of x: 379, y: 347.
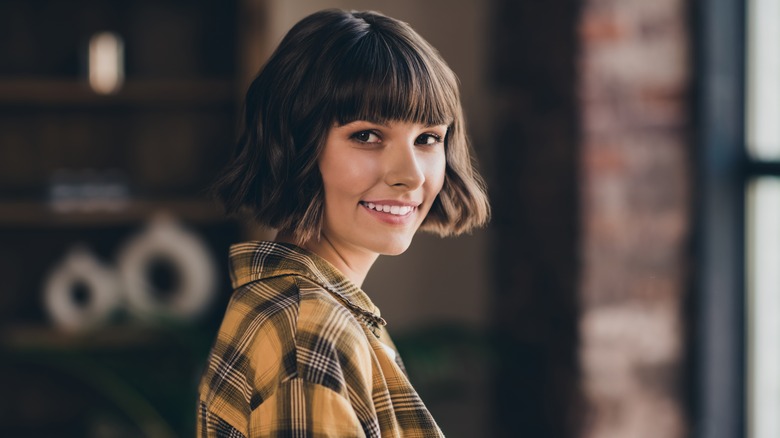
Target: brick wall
x: 635, y: 216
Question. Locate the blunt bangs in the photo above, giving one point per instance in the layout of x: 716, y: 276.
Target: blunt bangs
x: 384, y: 77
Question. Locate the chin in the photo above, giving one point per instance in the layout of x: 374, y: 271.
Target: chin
x: 395, y: 247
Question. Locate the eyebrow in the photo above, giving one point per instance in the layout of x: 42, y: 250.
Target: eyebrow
x: 374, y: 122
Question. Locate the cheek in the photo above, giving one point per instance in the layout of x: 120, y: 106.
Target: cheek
x: 435, y: 172
x: 345, y: 174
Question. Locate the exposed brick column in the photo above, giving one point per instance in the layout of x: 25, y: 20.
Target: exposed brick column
x: 635, y: 195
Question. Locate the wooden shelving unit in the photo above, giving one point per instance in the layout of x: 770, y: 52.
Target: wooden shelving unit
x: 166, y: 133
x: 42, y: 337
x: 71, y: 93
x: 43, y: 214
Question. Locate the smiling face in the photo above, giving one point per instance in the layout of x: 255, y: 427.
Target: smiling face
x: 379, y: 182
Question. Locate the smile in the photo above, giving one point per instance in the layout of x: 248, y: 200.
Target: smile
x: 395, y: 210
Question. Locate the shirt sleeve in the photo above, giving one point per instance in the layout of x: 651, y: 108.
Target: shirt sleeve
x: 298, y: 408
x: 210, y: 425
x: 304, y: 409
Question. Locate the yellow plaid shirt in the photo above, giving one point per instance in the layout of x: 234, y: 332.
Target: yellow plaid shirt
x: 303, y: 352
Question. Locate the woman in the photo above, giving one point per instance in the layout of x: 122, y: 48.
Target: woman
x: 353, y: 141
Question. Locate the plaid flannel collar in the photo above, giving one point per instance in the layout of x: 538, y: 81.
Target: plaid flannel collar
x: 257, y: 260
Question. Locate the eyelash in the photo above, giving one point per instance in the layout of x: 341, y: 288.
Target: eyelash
x: 437, y: 138
x: 356, y: 136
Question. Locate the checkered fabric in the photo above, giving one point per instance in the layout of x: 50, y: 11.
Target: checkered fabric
x: 303, y: 352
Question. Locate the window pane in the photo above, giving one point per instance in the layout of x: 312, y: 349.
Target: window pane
x: 763, y: 79
x: 763, y: 269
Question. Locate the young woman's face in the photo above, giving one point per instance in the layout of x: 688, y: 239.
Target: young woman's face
x: 380, y: 181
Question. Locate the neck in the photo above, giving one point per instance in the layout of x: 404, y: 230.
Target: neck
x: 354, y: 264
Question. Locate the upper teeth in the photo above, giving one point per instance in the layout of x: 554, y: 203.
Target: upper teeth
x: 394, y: 209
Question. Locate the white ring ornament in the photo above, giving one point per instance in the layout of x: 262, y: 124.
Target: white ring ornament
x: 165, y: 240
x: 103, y: 296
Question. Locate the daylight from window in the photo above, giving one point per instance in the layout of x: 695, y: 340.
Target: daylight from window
x: 763, y: 93
x: 763, y: 220
x: 763, y: 308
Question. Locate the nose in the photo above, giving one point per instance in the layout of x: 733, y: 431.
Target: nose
x: 403, y: 166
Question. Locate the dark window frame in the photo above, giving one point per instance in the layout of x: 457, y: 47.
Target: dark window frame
x: 725, y: 169
x: 719, y: 334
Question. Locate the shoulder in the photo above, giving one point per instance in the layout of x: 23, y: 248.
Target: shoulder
x: 279, y: 328
x: 252, y: 350
x: 277, y: 331
x: 260, y: 309
x: 258, y: 315
x: 299, y: 306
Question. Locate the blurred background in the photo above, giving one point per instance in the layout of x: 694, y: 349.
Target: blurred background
x: 627, y: 286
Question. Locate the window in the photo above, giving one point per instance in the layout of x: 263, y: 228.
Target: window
x: 737, y: 333
x: 762, y: 140
x: 719, y: 333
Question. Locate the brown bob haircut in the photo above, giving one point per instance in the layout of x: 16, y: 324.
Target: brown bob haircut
x: 335, y: 67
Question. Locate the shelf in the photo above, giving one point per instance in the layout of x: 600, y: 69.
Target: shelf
x: 48, y: 338
x: 40, y: 92
x: 40, y: 213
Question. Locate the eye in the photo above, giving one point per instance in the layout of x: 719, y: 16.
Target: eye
x: 428, y: 139
x: 366, y: 137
